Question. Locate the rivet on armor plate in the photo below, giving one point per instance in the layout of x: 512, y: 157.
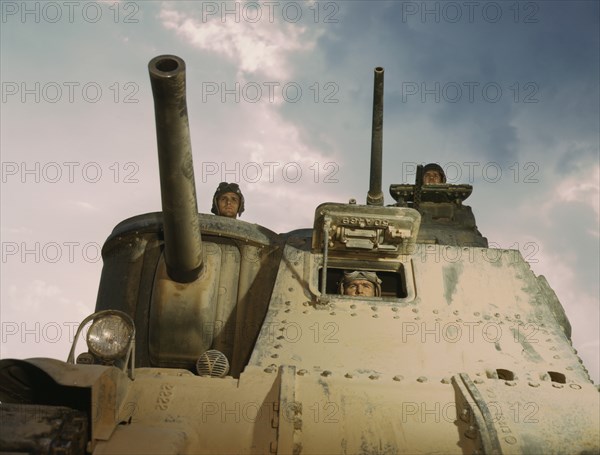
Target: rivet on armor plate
x: 302, y: 372
x: 353, y: 306
x: 332, y: 313
x: 348, y: 375
x: 471, y: 433
x: 288, y: 303
x: 478, y: 381
x: 421, y: 379
x: 374, y: 308
x: 375, y: 315
x: 465, y: 415
x: 398, y: 378
x: 326, y: 373
x: 274, y: 356
x: 455, y: 312
x: 575, y: 386
x: 510, y: 383
x: 534, y: 384
x: 291, y: 289
x: 415, y: 310
x: 445, y: 380
x: 436, y: 311
x: 558, y: 386
x: 352, y: 314
x: 374, y: 376
x: 395, y: 308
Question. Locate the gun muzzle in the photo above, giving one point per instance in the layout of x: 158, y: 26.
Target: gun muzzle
x: 183, y: 242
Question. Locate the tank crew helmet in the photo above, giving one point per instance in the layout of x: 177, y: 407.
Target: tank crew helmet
x: 351, y: 276
x: 223, y: 188
x: 433, y: 167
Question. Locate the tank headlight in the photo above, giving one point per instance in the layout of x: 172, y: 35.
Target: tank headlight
x: 110, y: 339
x: 109, y: 336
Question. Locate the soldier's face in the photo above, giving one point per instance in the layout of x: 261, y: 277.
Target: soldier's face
x: 360, y: 287
x: 228, y: 204
x: 432, y: 178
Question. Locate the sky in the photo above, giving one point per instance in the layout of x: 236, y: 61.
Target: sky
x: 503, y: 95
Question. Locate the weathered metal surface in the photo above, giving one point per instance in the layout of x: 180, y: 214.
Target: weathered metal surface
x: 48, y: 429
x: 375, y: 195
x: 183, y: 244
x: 466, y: 350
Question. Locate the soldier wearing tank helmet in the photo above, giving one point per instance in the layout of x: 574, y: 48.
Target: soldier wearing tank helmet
x: 433, y: 174
x: 228, y: 200
x: 360, y: 283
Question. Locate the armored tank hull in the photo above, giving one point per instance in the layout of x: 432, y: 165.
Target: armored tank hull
x: 216, y: 336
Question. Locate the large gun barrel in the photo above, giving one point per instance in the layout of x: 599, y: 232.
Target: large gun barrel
x: 375, y: 195
x: 183, y: 242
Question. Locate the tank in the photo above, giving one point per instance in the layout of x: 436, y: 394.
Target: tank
x: 216, y: 336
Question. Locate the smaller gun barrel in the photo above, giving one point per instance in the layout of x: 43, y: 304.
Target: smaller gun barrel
x: 183, y: 242
x: 375, y: 195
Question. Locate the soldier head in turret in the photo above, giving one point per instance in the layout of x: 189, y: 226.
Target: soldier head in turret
x: 228, y: 200
x: 433, y: 174
x: 360, y: 283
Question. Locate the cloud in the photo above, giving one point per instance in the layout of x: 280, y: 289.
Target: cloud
x: 579, y: 188
x: 86, y: 206
x: 583, y: 188
x: 255, y: 47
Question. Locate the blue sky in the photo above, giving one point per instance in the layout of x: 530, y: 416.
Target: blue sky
x: 504, y: 95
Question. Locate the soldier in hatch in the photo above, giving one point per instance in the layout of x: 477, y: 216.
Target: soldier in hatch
x: 228, y: 200
x: 360, y: 283
x: 433, y: 174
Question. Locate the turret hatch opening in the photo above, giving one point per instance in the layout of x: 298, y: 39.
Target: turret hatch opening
x: 393, y: 283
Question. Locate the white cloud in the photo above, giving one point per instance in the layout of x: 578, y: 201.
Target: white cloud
x: 584, y: 188
x: 84, y: 205
x: 256, y: 47
x: 580, y: 188
x: 275, y: 163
